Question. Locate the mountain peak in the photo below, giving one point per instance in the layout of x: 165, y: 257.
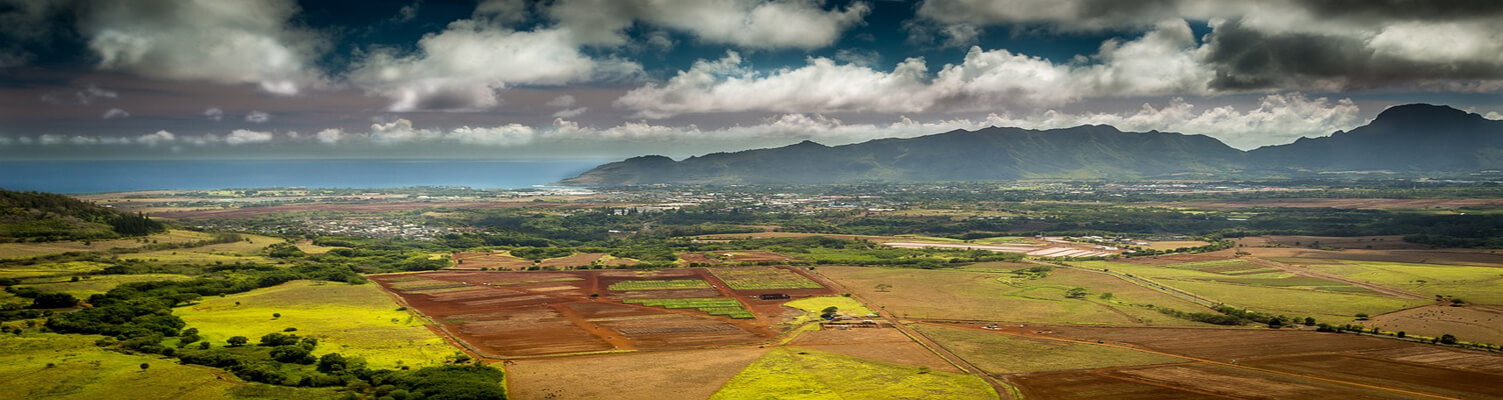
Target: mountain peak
x: 807, y: 143
x: 1420, y: 113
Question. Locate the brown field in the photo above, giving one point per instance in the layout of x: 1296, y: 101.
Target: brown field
x: 1386, y: 242
x: 1370, y: 204
x: 519, y: 314
x: 878, y: 344
x: 732, y: 256
x: 657, y: 375
x: 493, y: 260
x: 1247, y: 363
x: 583, y: 259
x: 1473, y: 323
x: 1175, y: 244
x: 1176, y: 259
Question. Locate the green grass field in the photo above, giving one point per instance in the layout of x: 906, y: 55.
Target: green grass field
x: 44, y: 270
x: 997, y: 295
x: 789, y: 372
x: 22, y: 250
x: 95, y: 284
x: 1270, y: 293
x: 713, y: 306
x: 80, y: 370
x: 354, y: 320
x: 242, y: 251
x: 752, y: 278
x: 1000, y: 353
x: 1472, y: 284
x: 660, y: 285
x: 846, y: 305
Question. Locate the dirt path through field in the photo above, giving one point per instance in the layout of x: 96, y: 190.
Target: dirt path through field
x: 1399, y: 293
x: 1027, y: 334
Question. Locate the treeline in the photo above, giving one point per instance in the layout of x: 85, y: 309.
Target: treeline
x: 43, y: 217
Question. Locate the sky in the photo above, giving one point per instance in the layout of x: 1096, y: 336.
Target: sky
x: 606, y: 79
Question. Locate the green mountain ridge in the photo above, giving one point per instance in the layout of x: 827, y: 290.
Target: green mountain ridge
x: 1416, y: 137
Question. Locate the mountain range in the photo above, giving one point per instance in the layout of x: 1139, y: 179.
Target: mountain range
x: 1417, y: 138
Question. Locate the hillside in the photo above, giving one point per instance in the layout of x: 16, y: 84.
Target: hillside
x: 1412, y: 138
x: 34, y: 216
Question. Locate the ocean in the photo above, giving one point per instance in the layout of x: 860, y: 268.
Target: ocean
x: 116, y: 176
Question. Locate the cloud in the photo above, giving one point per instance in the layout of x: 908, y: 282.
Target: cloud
x: 753, y: 24
x: 159, y: 137
x: 407, y: 12
x: 214, y: 113
x: 114, y: 113
x: 463, y: 67
x: 235, y: 42
x: 330, y: 136
x: 571, y: 112
x: 1163, y: 61
x: 257, y: 117
x: 561, y: 101
x: 83, y: 96
x: 1284, y: 45
x: 242, y: 136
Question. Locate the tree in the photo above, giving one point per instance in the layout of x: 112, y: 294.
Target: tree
x: 1361, y: 316
x: 53, y: 300
x: 1401, y: 334
x: 144, y: 366
x: 1448, y: 339
x: 1309, y: 321
x: 237, y: 341
x: 276, y: 315
x: 829, y: 312
x: 883, y: 287
x: 1107, y: 296
x: 1076, y: 293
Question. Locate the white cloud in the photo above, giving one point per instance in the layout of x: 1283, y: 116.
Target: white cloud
x: 561, y: 101
x: 214, y: 113
x: 571, y: 112
x: 242, y: 136
x: 159, y: 137
x: 757, y: 24
x: 230, y: 42
x: 464, y: 66
x: 258, y: 117
x: 115, y: 113
x: 84, y: 96
x: 1162, y: 61
x: 505, y: 135
x: 330, y: 136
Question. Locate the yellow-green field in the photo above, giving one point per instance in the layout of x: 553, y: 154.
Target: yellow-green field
x: 995, y: 295
x: 241, y: 251
x: 20, y: 250
x: 1472, y: 284
x: 42, y: 270
x: 814, y: 305
x: 80, y: 370
x: 791, y: 372
x: 96, y: 284
x: 354, y: 320
x: 1276, y: 293
x: 999, y: 353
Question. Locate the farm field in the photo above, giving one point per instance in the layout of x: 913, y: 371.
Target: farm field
x: 1475, y: 323
x: 354, y: 320
x: 1471, y: 257
x: 1175, y: 244
x: 656, y: 375
x: 80, y: 370
x: 520, y: 314
x: 1000, y: 353
x: 96, y: 284
x: 1373, y: 367
x: 249, y: 249
x: 50, y: 269
x: 998, y: 296
x: 23, y: 250
x: 787, y: 372
x: 1470, y: 283
x: 875, y: 344
x: 1245, y: 285
x: 751, y: 278
x: 731, y: 257
x: 502, y: 260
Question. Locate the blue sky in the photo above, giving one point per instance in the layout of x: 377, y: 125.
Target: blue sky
x: 615, y: 78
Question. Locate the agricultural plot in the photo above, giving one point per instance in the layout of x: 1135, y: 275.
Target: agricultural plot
x: 713, y: 306
x: 89, y: 285
x: 790, y: 372
x: 74, y: 368
x: 1308, y: 364
x: 1472, y: 284
x: 51, y: 269
x: 660, y: 285
x: 1003, y: 296
x: 752, y: 278
x: 23, y: 250
x: 732, y: 257
x: 1276, y: 293
x: 652, y: 375
x: 520, y: 314
x: 1474, y: 323
x: 999, y: 353
x: 354, y: 320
